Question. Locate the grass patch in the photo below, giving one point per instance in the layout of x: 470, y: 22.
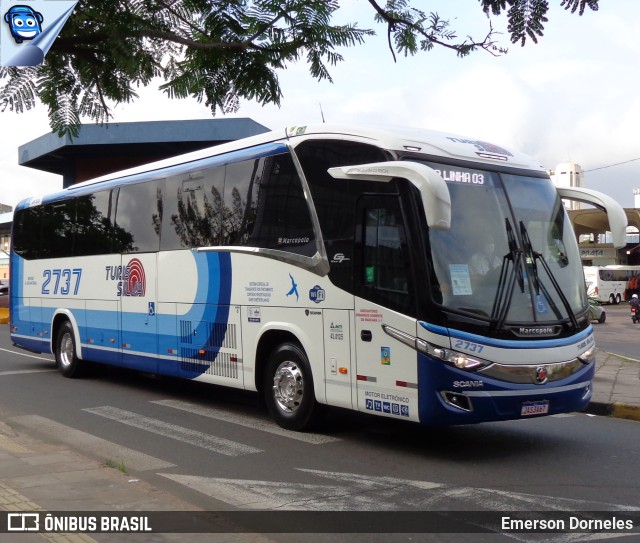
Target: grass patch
x: 115, y: 465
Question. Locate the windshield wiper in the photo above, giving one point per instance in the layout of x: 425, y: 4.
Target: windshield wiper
x: 507, y: 280
x: 532, y: 257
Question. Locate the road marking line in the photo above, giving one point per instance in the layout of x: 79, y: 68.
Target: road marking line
x: 355, y: 492
x: 19, y: 353
x: 18, y: 372
x: 173, y: 431
x: 61, y: 433
x: 256, y: 423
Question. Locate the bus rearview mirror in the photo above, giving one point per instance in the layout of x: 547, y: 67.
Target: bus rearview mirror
x: 433, y: 189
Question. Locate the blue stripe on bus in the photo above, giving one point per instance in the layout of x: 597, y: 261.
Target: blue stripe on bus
x: 210, y: 305
x: 214, y: 289
x: 508, y: 343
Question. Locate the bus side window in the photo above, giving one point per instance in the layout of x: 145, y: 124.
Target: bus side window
x: 283, y: 220
x: 94, y: 228
x: 239, y: 201
x: 139, y: 217
x: 57, y: 229
x: 382, y: 260
x: 265, y: 206
x: 27, y: 233
x: 193, y: 210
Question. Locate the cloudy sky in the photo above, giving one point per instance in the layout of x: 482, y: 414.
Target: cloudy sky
x: 573, y: 97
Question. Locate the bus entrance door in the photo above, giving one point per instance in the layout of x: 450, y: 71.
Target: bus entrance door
x: 387, y: 381
x: 386, y: 359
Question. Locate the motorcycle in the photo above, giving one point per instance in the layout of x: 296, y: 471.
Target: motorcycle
x: 635, y: 317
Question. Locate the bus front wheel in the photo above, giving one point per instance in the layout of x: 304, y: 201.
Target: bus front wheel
x: 288, y: 387
x: 67, y: 359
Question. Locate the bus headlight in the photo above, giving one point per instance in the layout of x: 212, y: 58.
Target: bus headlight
x: 457, y: 359
x: 462, y: 361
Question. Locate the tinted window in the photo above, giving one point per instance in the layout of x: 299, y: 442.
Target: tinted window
x: 76, y: 227
x: 26, y: 233
x: 45, y: 231
x: 382, y: 260
x: 240, y: 188
x: 259, y: 203
x: 335, y: 199
x: 28, y: 239
x: 193, y: 210
x: 139, y: 217
x: 94, y: 227
x: 282, y: 220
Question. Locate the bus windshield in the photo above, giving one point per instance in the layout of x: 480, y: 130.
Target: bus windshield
x: 510, y: 255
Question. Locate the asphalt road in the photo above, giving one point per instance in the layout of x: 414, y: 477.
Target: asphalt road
x: 618, y: 334
x: 217, y: 449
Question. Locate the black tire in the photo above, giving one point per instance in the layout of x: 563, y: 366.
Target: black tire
x: 288, y: 388
x: 603, y: 317
x: 67, y: 359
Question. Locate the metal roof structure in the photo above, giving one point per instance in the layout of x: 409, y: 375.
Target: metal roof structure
x: 595, y: 221
x: 102, y: 149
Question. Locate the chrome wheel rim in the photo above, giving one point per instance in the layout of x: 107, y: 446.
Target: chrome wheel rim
x: 288, y: 387
x: 66, y: 350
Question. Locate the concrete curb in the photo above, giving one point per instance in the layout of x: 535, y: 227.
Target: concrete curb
x: 624, y: 411
x: 619, y: 376
x: 616, y: 410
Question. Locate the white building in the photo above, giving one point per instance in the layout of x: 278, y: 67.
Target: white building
x: 568, y: 174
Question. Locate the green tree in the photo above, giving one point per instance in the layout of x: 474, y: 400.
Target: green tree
x: 222, y: 51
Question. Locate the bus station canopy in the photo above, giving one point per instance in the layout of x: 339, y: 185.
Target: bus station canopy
x: 595, y: 221
x: 100, y: 149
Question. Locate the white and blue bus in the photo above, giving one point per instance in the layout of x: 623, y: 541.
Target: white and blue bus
x: 405, y: 273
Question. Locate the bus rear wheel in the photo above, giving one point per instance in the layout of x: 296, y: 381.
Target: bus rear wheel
x: 67, y: 359
x: 288, y: 388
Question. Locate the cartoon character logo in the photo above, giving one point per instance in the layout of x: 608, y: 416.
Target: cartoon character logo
x: 24, y: 23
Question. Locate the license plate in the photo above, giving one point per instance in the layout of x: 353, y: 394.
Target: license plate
x: 534, y: 408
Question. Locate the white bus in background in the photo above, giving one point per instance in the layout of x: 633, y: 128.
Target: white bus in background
x: 612, y: 284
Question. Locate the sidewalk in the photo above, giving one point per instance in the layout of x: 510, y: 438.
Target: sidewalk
x: 41, y: 476
x: 37, y: 476
x: 616, y: 387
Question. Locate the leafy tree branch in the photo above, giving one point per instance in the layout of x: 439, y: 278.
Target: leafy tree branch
x: 225, y: 51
